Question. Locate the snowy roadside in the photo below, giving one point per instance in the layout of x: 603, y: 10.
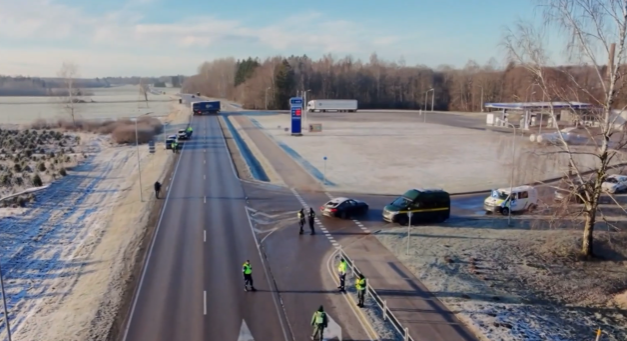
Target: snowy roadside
x: 68, y: 257
x: 516, y: 283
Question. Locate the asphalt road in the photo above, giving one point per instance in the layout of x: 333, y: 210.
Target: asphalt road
x: 192, y: 286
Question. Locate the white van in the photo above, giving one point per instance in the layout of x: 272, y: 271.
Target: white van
x: 524, y: 198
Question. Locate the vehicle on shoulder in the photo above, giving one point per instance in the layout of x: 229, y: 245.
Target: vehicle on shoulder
x: 169, y: 140
x: 571, y: 192
x: 516, y: 199
x: 614, y: 183
x: 422, y: 205
x: 344, y: 208
x: 182, y: 134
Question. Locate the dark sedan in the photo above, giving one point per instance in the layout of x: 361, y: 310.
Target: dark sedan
x: 344, y: 208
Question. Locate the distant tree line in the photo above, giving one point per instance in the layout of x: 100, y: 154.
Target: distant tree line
x: 376, y: 83
x: 36, y: 86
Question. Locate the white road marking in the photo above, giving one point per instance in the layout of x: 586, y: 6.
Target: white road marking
x: 204, y: 177
x: 204, y: 161
x: 204, y: 235
x: 204, y: 199
x: 245, y: 333
x: 204, y: 302
x: 152, y: 245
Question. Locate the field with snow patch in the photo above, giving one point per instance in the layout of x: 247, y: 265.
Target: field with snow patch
x: 68, y: 256
x: 516, y: 283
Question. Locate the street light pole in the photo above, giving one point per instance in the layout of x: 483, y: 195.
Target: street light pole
x: 511, y: 181
x: 267, y: 96
x: 432, y: 98
x: 141, y: 193
x: 305, y: 106
x: 4, y: 303
x: 481, y: 104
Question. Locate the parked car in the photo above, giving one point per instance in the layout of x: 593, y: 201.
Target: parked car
x: 169, y: 141
x: 614, y: 183
x: 343, y: 208
x: 182, y: 134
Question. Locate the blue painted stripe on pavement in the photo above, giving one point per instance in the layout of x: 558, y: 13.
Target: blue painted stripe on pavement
x: 255, y: 167
x: 294, y: 155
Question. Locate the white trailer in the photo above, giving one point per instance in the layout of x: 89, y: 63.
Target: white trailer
x: 339, y: 105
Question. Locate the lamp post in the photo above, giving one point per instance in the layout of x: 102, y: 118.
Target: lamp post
x: 481, y: 103
x: 4, y: 303
x: 305, y: 106
x: 141, y: 194
x: 268, y: 88
x: 432, y: 98
x: 511, y: 181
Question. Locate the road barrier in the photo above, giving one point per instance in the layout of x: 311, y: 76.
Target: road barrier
x: 387, y: 313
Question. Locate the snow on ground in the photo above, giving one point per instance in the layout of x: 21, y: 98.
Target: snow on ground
x: 67, y: 258
x: 388, y: 157
x: 514, y: 284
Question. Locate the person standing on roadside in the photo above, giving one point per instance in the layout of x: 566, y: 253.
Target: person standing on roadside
x: 157, y: 189
x: 341, y: 270
x: 360, y: 285
x: 312, y: 218
x: 319, y: 322
x: 247, y: 270
x: 301, y: 219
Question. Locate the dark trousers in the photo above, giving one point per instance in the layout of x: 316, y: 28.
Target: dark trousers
x: 361, y: 295
x: 157, y: 193
x: 318, y: 332
x: 342, y: 280
x: 302, y: 223
x: 248, y: 280
x: 311, y: 224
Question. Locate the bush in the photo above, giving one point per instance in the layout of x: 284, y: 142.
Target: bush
x: 41, y: 166
x: 126, y: 134
x: 36, y: 180
x: 67, y: 159
x: 17, y: 167
x: 5, y: 179
x: 62, y: 172
x: 19, y: 181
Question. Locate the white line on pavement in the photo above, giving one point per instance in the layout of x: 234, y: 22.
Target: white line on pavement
x: 204, y: 199
x: 204, y: 235
x: 204, y: 302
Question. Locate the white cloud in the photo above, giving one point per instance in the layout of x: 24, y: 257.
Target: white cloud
x: 29, y: 23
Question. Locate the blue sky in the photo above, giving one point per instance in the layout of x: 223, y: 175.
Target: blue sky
x: 155, y: 37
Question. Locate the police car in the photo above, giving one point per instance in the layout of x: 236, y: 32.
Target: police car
x: 343, y: 208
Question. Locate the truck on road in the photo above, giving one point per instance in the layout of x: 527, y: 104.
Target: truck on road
x: 205, y: 107
x: 339, y: 105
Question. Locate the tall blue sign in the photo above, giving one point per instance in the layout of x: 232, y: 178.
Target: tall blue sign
x: 296, y: 110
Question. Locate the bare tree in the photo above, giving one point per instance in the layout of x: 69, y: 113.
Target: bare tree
x: 591, y: 29
x: 70, y: 95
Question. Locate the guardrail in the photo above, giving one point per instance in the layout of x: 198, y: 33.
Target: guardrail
x: 387, y: 313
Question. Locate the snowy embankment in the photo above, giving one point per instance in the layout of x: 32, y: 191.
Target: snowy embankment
x: 68, y: 256
x: 519, y: 284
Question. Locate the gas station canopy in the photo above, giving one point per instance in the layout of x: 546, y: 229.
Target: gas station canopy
x: 538, y: 105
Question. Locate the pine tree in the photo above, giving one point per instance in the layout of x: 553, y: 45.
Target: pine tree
x: 284, y: 81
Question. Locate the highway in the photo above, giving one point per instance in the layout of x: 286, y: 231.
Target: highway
x: 192, y: 287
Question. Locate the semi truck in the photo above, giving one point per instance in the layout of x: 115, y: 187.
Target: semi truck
x: 339, y: 105
x: 205, y: 108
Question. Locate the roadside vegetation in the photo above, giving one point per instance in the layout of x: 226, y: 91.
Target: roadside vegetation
x: 33, y: 158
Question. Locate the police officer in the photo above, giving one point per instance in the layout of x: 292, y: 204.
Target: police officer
x: 157, y: 189
x: 301, y: 219
x: 312, y: 218
x: 319, y: 322
x: 247, y: 270
x: 341, y: 270
x: 175, y: 146
x: 360, y: 285
x: 190, y: 131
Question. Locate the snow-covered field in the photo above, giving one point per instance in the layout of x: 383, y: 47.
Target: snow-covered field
x: 115, y: 102
x: 514, y: 284
x: 67, y: 257
x: 389, y: 157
